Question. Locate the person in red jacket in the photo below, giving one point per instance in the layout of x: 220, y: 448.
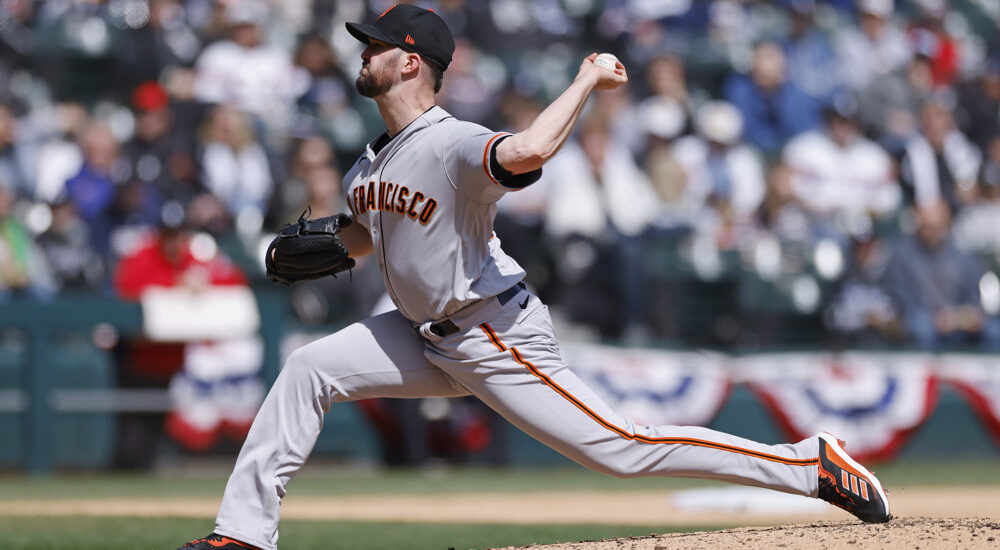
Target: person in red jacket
x: 166, y: 259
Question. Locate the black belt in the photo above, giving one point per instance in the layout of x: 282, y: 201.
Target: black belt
x: 446, y: 327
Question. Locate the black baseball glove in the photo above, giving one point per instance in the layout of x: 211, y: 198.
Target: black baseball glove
x: 309, y: 249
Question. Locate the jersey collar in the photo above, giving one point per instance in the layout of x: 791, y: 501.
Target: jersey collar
x: 429, y: 117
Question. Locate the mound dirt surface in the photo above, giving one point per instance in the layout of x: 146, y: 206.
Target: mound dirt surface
x: 908, y: 533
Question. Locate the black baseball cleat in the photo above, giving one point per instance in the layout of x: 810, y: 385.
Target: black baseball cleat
x: 217, y: 542
x: 846, y: 484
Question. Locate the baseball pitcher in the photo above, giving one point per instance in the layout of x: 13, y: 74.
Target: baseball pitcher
x: 423, y: 199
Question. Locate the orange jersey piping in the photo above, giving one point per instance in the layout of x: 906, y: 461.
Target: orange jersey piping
x: 486, y: 156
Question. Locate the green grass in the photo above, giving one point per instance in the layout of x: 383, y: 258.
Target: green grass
x: 323, y: 480
x: 326, y: 480
x: 159, y: 534
x: 78, y: 533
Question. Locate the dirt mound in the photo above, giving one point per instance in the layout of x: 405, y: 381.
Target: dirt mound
x: 909, y: 533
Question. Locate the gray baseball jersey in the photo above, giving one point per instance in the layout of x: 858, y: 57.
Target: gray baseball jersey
x: 427, y: 197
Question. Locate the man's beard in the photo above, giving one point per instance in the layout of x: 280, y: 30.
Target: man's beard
x: 373, y: 84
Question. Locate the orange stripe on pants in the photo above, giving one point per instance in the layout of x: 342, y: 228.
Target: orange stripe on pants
x: 631, y: 436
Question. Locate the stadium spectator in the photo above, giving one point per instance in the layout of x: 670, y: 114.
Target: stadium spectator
x: 724, y: 178
x: 940, y: 162
x: 978, y: 107
x: 838, y: 172
x: 861, y: 312
x: 812, y: 63
x: 247, y: 73
x: 888, y: 107
x: 13, y: 160
x: 774, y: 110
x: 166, y: 259
x: 790, y: 233
x: 234, y: 166
x: 666, y: 77
x: 598, y: 177
x: 781, y: 213
x: 93, y: 189
x: 662, y: 120
x: 147, y: 150
x: 665, y: 113
x: 22, y: 267
x: 59, y: 156
x: 154, y: 152
x: 929, y: 38
x: 308, y: 154
x: 874, y: 48
x: 18, y: 36
x: 132, y: 215
x: 325, y: 103
x: 977, y: 226
x: 67, y: 248
x: 937, y: 286
x: 325, y: 192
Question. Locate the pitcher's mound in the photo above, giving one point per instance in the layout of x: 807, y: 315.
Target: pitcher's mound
x: 908, y: 533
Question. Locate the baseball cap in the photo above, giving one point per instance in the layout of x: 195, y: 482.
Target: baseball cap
x: 662, y: 116
x: 149, y: 96
x: 411, y: 28
x: 719, y: 121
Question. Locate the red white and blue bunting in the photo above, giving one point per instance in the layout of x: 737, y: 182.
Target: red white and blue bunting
x: 217, y: 394
x: 874, y: 401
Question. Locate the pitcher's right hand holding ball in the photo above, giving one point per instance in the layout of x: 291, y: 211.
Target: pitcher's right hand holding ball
x: 602, y: 78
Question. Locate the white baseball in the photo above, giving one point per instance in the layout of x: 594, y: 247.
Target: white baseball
x: 606, y: 60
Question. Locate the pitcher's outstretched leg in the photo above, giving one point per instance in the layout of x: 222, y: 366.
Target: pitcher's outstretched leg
x: 378, y: 357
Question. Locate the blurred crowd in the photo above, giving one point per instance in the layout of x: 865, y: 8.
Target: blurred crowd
x: 824, y: 167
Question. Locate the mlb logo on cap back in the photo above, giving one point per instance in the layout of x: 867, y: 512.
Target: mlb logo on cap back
x: 412, y: 29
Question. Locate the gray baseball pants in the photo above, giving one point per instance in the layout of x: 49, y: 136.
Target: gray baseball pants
x: 507, y: 357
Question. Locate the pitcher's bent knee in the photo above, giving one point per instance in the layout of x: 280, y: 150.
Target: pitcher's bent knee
x: 322, y: 373
x: 300, y: 367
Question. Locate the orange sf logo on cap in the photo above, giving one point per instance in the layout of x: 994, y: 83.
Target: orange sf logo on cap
x: 409, y: 40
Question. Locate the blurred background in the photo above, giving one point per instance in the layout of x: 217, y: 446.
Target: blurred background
x: 806, y: 191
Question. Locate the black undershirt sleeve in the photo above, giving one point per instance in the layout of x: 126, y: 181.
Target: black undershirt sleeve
x: 518, y: 181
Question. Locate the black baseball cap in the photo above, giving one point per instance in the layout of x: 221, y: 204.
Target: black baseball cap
x: 411, y: 28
